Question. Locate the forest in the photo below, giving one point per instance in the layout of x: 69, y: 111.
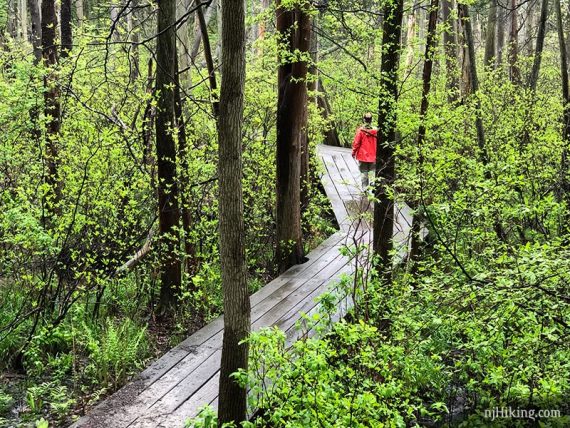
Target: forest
x: 164, y: 171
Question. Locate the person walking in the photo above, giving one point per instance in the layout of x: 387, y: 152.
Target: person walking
x: 364, y: 149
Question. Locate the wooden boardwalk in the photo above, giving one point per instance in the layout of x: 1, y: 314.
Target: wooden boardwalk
x: 173, y: 388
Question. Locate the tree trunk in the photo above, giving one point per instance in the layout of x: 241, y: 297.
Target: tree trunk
x: 474, y: 83
x: 184, y: 38
x: 80, y: 11
x: 331, y: 135
x: 294, y: 27
x: 23, y: 20
x: 36, y: 19
x: 431, y: 44
x: 539, y: 46
x: 410, y: 36
x: 208, y: 16
x: 385, y: 162
x: 52, y: 107
x: 514, y: 72
x: 134, y: 35
x: 169, y: 216
x: 450, y: 49
x: 466, y: 85
x: 500, y: 34
x: 232, y: 405
x: 490, y: 36
x: 565, y: 161
x: 66, y: 34
x: 209, y: 59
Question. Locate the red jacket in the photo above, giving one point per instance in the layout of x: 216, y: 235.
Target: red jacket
x: 364, y: 145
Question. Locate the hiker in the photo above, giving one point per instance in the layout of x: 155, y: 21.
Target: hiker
x: 364, y: 149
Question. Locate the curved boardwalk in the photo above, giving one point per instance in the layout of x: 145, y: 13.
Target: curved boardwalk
x: 173, y: 388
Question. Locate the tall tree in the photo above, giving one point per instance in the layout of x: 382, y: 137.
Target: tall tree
x: 52, y: 106
x: 385, y: 162
x: 490, y: 52
x: 232, y: 405
x: 450, y: 49
x: 533, y: 80
x: 565, y: 162
x: 514, y: 71
x: 169, y: 215
x: 66, y: 33
x: 431, y: 44
x: 294, y: 26
x: 474, y: 79
x: 500, y: 34
x: 36, y: 20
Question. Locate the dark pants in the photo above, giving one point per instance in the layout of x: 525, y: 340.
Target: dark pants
x: 365, y: 169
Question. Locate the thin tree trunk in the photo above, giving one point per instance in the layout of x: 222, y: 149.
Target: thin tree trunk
x: 52, y: 107
x: 431, y: 44
x: 474, y: 83
x: 209, y: 59
x: 490, y: 36
x: 514, y: 71
x: 466, y: 85
x: 66, y: 34
x: 232, y: 405
x: 331, y: 135
x: 208, y: 16
x: 565, y: 161
x: 80, y: 11
x: 529, y: 27
x: 184, y: 39
x: 36, y: 21
x: 500, y: 34
x: 385, y: 162
x: 169, y: 215
x: 410, y: 37
x: 134, y: 36
x: 23, y: 19
x: 539, y: 46
x: 291, y: 124
x: 450, y: 49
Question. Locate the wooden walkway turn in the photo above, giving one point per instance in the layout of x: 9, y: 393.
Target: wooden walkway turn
x: 173, y: 388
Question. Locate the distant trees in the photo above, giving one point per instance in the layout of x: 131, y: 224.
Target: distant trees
x: 232, y: 398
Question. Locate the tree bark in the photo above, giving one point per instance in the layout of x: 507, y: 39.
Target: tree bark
x: 410, y: 36
x: 66, y: 33
x: 490, y: 52
x: 184, y: 38
x: 36, y: 20
x: 169, y: 215
x: 514, y: 71
x: 466, y: 85
x: 291, y: 125
x: 565, y: 161
x: 385, y: 162
x: 500, y: 35
x: 23, y: 19
x: 474, y: 83
x: 232, y: 405
x: 450, y: 49
x: 134, y: 36
x: 209, y: 59
x: 80, y: 11
x: 52, y: 107
x: 431, y: 44
x: 539, y: 46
